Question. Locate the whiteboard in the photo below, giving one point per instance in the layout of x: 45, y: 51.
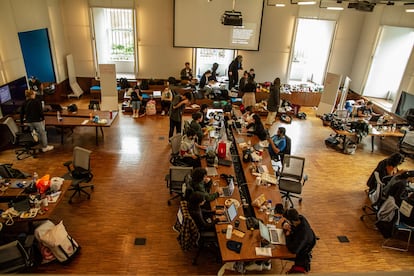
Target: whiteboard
x: 329, y: 94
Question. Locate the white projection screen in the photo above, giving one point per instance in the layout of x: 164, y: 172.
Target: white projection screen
x: 197, y: 24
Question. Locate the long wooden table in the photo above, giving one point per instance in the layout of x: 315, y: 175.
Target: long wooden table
x: 375, y: 133
x: 80, y: 119
x: 252, y: 238
x: 13, y: 193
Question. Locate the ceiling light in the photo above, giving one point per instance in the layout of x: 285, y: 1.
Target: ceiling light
x: 280, y: 5
x: 335, y: 8
x: 409, y: 10
x: 307, y: 3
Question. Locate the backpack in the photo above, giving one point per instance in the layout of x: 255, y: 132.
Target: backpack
x: 123, y: 82
x: 387, y: 215
x: 144, y: 85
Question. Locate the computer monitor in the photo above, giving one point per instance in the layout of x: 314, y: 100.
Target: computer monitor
x: 5, y: 95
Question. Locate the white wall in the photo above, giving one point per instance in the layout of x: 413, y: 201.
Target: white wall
x: 70, y: 33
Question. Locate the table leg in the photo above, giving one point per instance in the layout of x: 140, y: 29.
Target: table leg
x: 96, y: 135
x: 372, y: 143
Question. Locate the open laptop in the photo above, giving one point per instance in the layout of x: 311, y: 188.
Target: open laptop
x: 156, y: 94
x: 229, y: 189
x: 230, y: 213
x: 272, y: 234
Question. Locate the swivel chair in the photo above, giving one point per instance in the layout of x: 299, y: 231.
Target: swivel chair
x: 291, y: 178
x: 23, y: 139
x: 190, y: 237
x: 406, y: 144
x: 375, y: 197
x: 176, y: 180
x: 80, y: 171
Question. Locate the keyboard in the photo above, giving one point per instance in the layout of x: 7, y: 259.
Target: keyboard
x: 269, y: 178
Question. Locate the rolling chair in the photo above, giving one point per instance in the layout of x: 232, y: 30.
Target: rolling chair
x: 176, y: 178
x: 375, y: 197
x: 80, y: 171
x: 406, y: 144
x: 15, y: 257
x: 189, y: 236
x: 23, y: 139
x: 291, y: 178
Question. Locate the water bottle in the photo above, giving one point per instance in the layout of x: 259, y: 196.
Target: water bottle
x: 35, y: 177
x: 59, y: 118
x: 95, y: 108
x: 216, y: 161
x: 229, y: 231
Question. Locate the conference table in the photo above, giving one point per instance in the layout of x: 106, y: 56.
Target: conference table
x: 17, y: 194
x: 81, y: 118
x: 246, y: 183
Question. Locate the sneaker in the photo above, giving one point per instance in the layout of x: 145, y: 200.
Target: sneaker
x: 163, y: 113
x: 48, y: 148
x: 254, y: 267
x: 267, y: 265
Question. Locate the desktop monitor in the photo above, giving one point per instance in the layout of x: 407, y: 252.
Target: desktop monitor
x: 5, y: 95
x: 17, y: 89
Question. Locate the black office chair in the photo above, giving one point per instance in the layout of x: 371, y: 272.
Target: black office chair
x: 190, y: 237
x: 25, y: 139
x: 15, y: 257
x: 80, y: 172
x: 291, y: 178
x: 176, y: 178
x: 406, y: 144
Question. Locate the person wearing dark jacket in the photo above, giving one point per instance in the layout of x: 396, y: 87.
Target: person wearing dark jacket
x: 234, y: 68
x: 386, y: 167
x: 32, y: 114
x: 258, y: 128
x: 300, y: 240
x: 200, y: 182
x: 273, y: 102
x: 204, y: 219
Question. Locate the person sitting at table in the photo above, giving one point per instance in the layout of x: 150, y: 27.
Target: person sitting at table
x: 386, y: 167
x: 196, y: 126
x: 204, y: 121
x: 366, y: 110
x: 166, y: 99
x: 188, y: 149
x: 186, y: 73
x: 248, y: 114
x: 277, y: 144
x: 300, y: 240
x: 204, y: 219
x: 258, y: 128
x: 243, y: 80
x: 214, y: 73
x: 202, y: 183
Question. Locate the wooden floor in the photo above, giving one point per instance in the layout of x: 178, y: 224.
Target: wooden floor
x: 130, y: 201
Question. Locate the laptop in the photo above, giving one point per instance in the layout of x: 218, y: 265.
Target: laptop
x: 272, y: 234
x: 156, y: 94
x: 56, y: 107
x: 229, y: 189
x: 225, y: 162
x: 230, y: 213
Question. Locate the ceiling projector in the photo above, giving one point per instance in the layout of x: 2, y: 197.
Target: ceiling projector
x: 232, y: 18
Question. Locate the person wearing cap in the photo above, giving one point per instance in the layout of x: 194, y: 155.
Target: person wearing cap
x: 300, y: 240
x: 32, y: 113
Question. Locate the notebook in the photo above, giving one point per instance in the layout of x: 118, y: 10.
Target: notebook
x: 230, y: 213
x: 272, y: 234
x: 229, y: 189
x: 211, y: 171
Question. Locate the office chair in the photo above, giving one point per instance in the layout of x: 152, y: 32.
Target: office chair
x: 190, y: 237
x: 175, y: 158
x: 23, y: 139
x: 291, y: 178
x: 176, y: 178
x: 375, y: 197
x: 406, y: 144
x: 15, y: 257
x: 80, y: 171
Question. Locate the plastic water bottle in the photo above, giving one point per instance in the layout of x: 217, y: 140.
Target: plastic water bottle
x: 59, y: 118
x: 229, y: 231
x: 35, y: 177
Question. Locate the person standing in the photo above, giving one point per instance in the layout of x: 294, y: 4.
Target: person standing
x: 186, y: 73
x: 166, y: 98
x: 300, y: 240
x: 32, y: 113
x: 273, y: 102
x: 249, y: 93
x: 36, y: 86
x: 176, y: 112
x: 136, y: 100
x: 234, y: 68
x: 243, y: 80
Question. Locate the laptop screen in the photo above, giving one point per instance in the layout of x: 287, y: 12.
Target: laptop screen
x: 232, y: 212
x: 156, y: 94
x: 264, y: 231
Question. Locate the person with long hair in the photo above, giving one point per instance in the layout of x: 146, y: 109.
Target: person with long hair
x: 273, y: 102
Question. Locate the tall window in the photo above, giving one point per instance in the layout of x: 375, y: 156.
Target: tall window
x: 206, y: 57
x: 389, y: 62
x: 114, y: 37
x: 311, y: 50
